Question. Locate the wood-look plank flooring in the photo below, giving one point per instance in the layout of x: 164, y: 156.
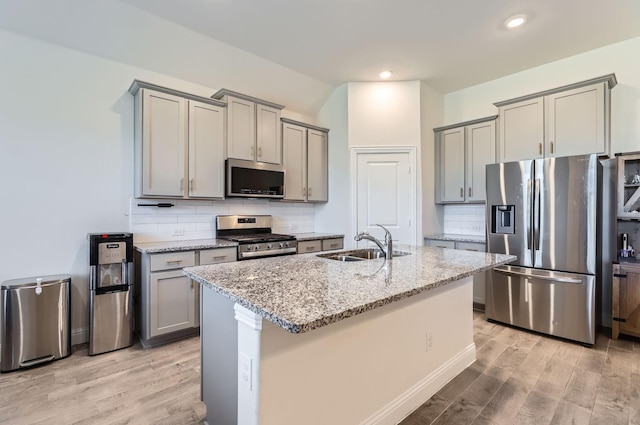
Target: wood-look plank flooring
x: 519, y: 378
x: 129, y: 386
x: 525, y: 378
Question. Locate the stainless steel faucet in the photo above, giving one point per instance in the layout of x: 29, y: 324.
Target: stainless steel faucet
x: 387, y: 247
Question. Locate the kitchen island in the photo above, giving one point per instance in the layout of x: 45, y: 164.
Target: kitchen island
x: 304, y: 339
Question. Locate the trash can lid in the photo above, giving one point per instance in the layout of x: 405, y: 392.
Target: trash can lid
x: 31, y: 281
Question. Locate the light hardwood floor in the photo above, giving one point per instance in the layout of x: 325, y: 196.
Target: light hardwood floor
x: 519, y: 378
x: 525, y: 378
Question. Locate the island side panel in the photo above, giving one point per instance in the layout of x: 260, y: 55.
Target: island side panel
x: 219, y: 357
x: 373, y: 368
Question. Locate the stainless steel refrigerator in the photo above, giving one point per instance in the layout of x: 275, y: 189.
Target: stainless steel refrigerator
x: 556, y: 216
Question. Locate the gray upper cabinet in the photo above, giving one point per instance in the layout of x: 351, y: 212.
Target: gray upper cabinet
x: 179, y: 143
x: 253, y: 128
x: 463, y: 150
x: 569, y: 120
x: 305, y: 153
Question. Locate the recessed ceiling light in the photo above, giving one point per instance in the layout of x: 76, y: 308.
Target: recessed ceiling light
x: 385, y: 74
x: 515, y: 21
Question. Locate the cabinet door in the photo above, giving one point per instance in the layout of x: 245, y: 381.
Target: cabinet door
x: 478, y: 278
x: 241, y: 129
x: 164, y: 141
x: 481, y: 143
x: 576, y: 121
x: 452, y: 165
x: 206, y: 150
x: 522, y: 131
x: 317, y: 168
x: 268, y: 140
x: 171, y: 301
x: 294, y: 146
x: 628, y: 297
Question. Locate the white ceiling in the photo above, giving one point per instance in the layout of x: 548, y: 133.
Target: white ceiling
x: 451, y: 44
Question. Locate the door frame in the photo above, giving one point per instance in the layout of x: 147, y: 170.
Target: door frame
x: 354, y: 154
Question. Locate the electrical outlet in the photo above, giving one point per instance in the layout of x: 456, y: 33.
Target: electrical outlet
x: 293, y: 226
x: 178, y: 231
x: 246, y: 365
x: 428, y: 342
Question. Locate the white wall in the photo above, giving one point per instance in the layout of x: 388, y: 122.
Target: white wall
x: 66, y: 129
x: 432, y: 116
x: 335, y: 215
x: 384, y: 114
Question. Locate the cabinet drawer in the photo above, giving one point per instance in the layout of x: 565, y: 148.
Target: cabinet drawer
x: 440, y: 244
x: 172, y: 260
x: 309, y: 246
x: 471, y: 246
x: 218, y: 255
x: 330, y: 244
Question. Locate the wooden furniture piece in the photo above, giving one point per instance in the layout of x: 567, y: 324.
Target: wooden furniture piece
x: 564, y: 121
x: 463, y: 150
x: 625, y: 296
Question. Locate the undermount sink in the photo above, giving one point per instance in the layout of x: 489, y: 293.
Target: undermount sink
x: 360, y: 254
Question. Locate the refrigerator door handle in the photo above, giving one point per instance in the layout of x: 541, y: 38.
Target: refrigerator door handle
x: 536, y: 215
x: 512, y: 272
x: 530, y: 223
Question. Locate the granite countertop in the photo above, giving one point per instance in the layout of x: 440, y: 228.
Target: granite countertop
x: 186, y: 245
x: 457, y: 238
x: 313, y: 236
x: 304, y: 292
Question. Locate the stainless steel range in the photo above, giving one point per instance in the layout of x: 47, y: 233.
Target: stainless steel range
x: 254, y: 237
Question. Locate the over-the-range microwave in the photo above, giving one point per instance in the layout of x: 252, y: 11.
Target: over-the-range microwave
x: 249, y: 179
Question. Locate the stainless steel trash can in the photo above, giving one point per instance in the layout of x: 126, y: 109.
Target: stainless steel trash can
x: 36, y: 321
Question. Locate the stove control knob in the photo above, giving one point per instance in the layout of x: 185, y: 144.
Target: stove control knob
x: 249, y: 247
x: 269, y: 246
x: 281, y: 245
x: 286, y: 244
x: 256, y: 247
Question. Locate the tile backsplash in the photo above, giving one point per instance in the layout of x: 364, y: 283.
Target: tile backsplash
x: 466, y: 219
x: 192, y: 219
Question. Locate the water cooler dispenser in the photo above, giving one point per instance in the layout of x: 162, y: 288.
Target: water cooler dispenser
x: 111, y: 291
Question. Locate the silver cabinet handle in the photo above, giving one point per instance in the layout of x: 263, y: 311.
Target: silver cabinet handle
x: 253, y: 151
x: 191, y: 185
x: 174, y: 261
x: 309, y: 191
x: 304, y: 191
x: 309, y: 248
x: 540, y: 148
x: 260, y: 152
x: 471, y: 249
x: 462, y: 192
x: 333, y: 245
x: 469, y: 191
x: 551, y: 147
x: 182, y: 185
x: 219, y: 257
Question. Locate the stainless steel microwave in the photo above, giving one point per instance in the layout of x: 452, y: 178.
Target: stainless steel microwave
x: 249, y: 179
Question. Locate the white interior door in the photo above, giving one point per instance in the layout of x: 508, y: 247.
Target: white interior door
x: 385, y: 191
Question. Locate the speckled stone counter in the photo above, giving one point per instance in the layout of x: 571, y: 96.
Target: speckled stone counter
x: 457, y: 238
x: 303, y: 292
x: 315, y: 236
x: 187, y: 245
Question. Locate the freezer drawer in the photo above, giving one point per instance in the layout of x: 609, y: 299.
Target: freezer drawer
x: 35, y: 323
x: 555, y: 303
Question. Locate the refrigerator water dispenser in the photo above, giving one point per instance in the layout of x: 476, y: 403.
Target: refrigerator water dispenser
x: 503, y: 219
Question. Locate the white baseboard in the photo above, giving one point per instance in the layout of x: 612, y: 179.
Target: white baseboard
x: 399, y: 408
x: 79, y: 336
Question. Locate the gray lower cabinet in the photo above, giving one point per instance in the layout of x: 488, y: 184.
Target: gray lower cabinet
x: 478, y: 279
x: 167, y: 306
x: 317, y: 245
